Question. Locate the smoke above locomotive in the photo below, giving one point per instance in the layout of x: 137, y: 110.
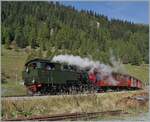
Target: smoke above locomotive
x: 101, y: 70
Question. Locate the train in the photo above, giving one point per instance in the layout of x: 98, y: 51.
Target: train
x: 43, y: 76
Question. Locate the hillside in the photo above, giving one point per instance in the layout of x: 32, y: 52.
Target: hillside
x: 59, y: 29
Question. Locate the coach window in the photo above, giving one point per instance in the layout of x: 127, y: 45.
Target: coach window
x: 127, y: 77
x: 131, y: 79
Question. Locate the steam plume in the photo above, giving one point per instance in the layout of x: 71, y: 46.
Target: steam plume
x: 117, y: 65
x: 101, y: 69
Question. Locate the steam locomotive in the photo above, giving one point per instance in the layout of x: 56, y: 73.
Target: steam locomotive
x: 43, y: 76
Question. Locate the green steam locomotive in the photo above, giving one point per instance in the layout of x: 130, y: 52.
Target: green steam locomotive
x: 45, y: 77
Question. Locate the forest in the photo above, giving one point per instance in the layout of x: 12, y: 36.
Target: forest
x: 57, y: 29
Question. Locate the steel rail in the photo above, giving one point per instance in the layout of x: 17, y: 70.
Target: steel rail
x: 70, y: 116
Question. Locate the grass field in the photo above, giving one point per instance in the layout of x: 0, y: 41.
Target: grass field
x: 12, y: 64
x: 141, y: 72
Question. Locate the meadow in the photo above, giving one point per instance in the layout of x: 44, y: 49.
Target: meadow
x: 12, y: 64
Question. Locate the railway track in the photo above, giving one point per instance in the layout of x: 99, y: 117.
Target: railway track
x: 70, y: 116
x: 45, y: 96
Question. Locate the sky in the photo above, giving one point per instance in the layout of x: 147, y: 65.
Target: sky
x: 133, y: 11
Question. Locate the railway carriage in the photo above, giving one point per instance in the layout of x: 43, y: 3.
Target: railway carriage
x: 120, y: 82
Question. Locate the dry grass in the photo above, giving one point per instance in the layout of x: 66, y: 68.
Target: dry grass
x: 71, y: 104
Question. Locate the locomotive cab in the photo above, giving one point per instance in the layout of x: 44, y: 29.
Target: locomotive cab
x: 36, y: 73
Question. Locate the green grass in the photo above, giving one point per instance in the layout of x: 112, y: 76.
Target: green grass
x: 141, y: 72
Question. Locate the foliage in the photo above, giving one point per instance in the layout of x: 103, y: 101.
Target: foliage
x: 50, y: 25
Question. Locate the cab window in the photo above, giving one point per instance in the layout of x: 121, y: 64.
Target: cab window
x: 49, y: 66
x: 32, y: 65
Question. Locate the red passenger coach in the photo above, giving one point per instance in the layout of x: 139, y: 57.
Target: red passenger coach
x: 118, y: 82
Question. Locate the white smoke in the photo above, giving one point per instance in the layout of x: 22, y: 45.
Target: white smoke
x: 102, y: 70
x: 81, y: 62
x: 75, y: 60
x: 117, y: 65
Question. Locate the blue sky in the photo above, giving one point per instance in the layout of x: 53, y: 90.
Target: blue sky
x: 133, y: 11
